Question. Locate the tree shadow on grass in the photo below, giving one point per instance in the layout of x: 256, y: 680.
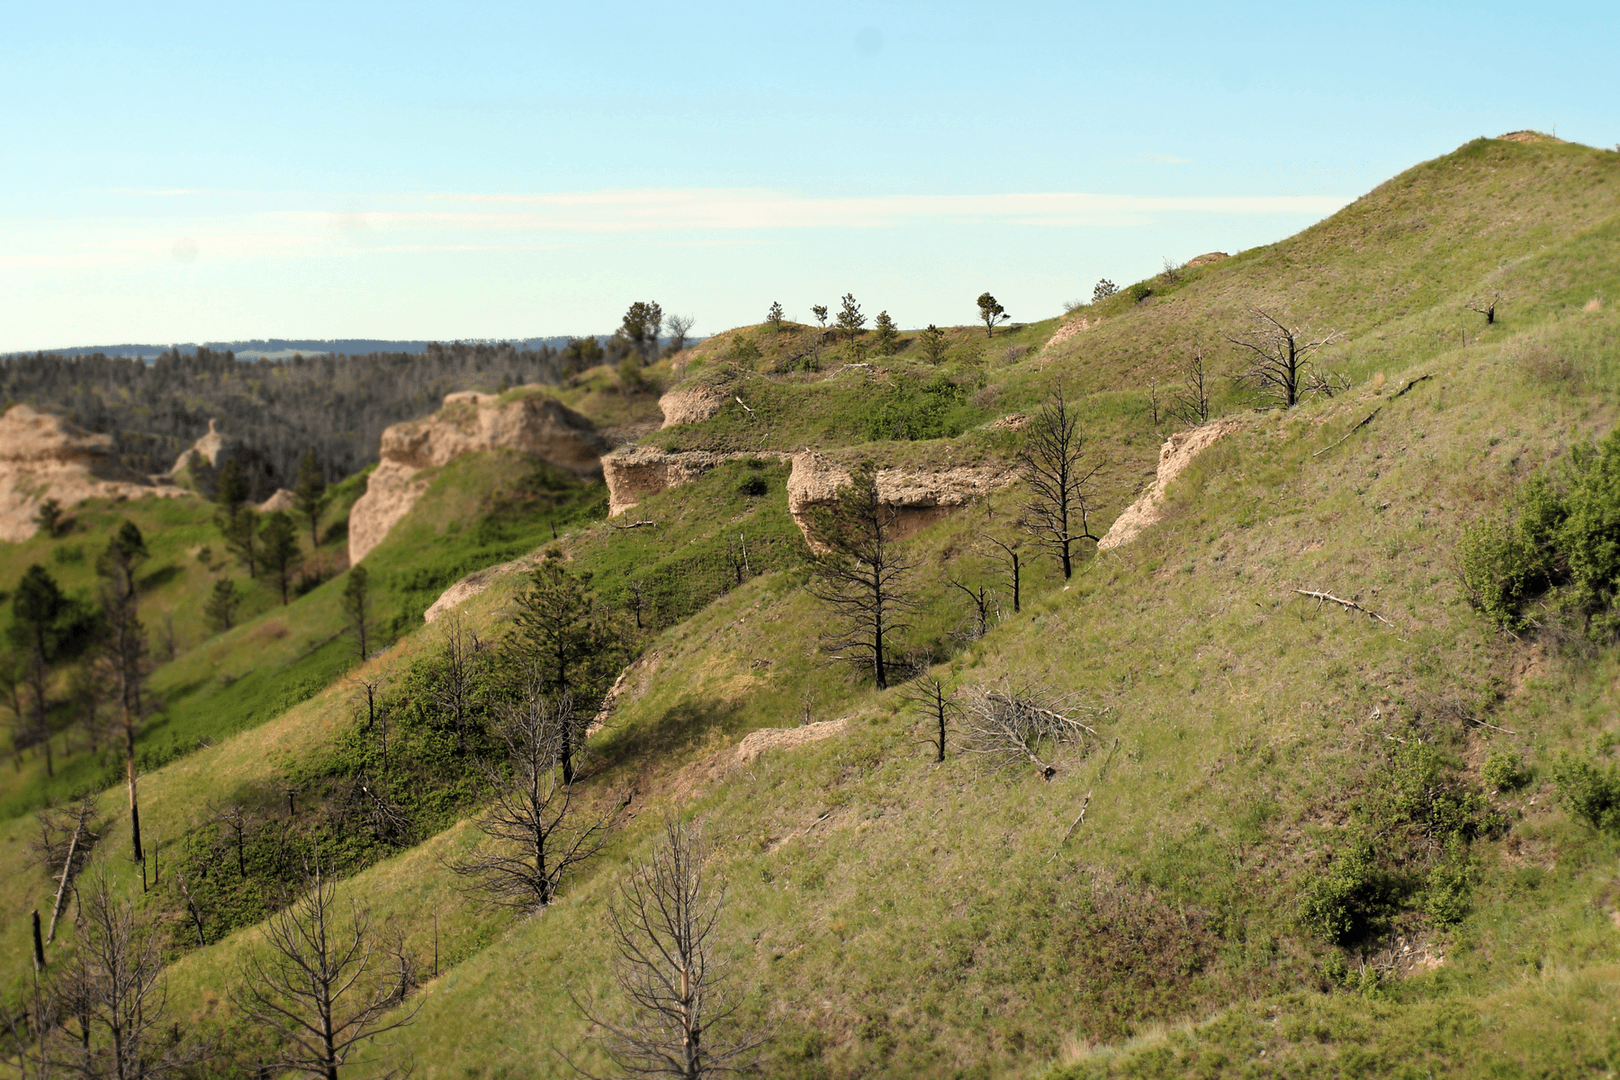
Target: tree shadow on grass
x: 683, y: 727
x: 159, y: 577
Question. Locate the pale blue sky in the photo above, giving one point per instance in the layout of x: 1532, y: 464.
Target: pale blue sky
x: 199, y: 172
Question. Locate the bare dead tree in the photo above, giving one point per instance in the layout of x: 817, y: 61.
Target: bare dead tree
x: 237, y: 823
x: 737, y: 557
x: 1190, y: 404
x: 1279, y: 359
x: 112, y: 993
x: 1057, y: 515
x: 980, y: 601
x: 1012, y: 727
x: 663, y: 923
x: 1005, y: 555
x: 537, y: 842
x: 1486, y: 308
x: 63, y: 844
x: 638, y: 601
x: 936, y: 702
x: 322, y: 988
x: 861, y: 574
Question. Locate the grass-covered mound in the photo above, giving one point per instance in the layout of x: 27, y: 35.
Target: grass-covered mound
x: 1315, y: 841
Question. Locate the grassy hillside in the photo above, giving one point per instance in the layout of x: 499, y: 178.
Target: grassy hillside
x: 887, y: 915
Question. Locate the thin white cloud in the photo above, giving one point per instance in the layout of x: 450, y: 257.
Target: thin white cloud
x: 51, y: 262
x: 694, y: 209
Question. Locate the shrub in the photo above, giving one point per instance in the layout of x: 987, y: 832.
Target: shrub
x: 1340, y: 905
x: 1590, y: 790
x: 1451, y: 883
x: 1139, y: 292
x: 1506, y: 563
x: 1505, y: 771
x: 743, y: 349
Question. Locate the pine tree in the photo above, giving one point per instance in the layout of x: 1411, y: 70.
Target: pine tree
x: 220, y: 608
x: 310, y: 496
x: 774, y: 316
x: 356, y: 604
x: 563, y: 637
x: 933, y: 344
x: 992, y: 313
x: 279, y: 548
x: 850, y: 319
x: 885, y: 336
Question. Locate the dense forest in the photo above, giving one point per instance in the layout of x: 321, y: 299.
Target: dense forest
x: 335, y: 405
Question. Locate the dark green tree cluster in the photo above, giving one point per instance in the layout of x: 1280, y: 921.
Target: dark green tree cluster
x: 265, y: 542
x: 334, y: 405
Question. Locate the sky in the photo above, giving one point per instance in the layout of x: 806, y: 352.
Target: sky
x: 182, y: 173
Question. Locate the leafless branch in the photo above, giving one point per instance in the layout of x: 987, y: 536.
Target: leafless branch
x: 675, y: 989
x: 536, y: 841
x: 1279, y: 361
x: 322, y: 987
x: 111, y: 1001
x: 1058, y: 511
x: 862, y: 576
x: 1019, y: 726
x: 1006, y: 556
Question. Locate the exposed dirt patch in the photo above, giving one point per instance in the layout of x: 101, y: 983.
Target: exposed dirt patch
x: 1176, y: 454
x: 1077, y: 325
x: 757, y: 742
x: 691, y: 405
x: 645, y: 470
x: 473, y: 584
x: 1528, y: 137
x: 282, y: 500
x: 1207, y: 259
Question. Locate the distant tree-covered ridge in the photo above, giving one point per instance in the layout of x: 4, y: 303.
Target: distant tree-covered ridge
x: 335, y: 406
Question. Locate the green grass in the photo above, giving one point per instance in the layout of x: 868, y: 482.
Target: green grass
x: 893, y: 917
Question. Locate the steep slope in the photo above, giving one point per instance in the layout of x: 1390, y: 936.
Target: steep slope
x: 891, y: 916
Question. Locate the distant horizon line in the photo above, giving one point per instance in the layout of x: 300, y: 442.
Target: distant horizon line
x: 275, y: 347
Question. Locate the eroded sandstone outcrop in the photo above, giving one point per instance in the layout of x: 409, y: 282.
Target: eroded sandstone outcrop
x: 919, y: 495
x: 691, y: 404
x: 634, y: 474
x: 534, y: 424
x: 43, y: 456
x: 1176, y: 454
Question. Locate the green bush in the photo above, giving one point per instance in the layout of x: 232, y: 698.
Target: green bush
x: 1553, y: 539
x: 1590, y: 790
x: 1505, y: 770
x: 1341, y: 905
x: 1506, y: 563
x: 1450, y: 884
x: 743, y: 349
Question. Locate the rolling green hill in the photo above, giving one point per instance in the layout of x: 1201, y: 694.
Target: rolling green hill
x: 1305, y: 847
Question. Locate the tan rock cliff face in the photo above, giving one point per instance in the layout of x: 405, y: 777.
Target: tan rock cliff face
x: 537, y: 425
x: 919, y: 496
x: 690, y: 405
x: 45, y: 457
x: 922, y: 496
x: 1175, y: 455
x: 643, y: 470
